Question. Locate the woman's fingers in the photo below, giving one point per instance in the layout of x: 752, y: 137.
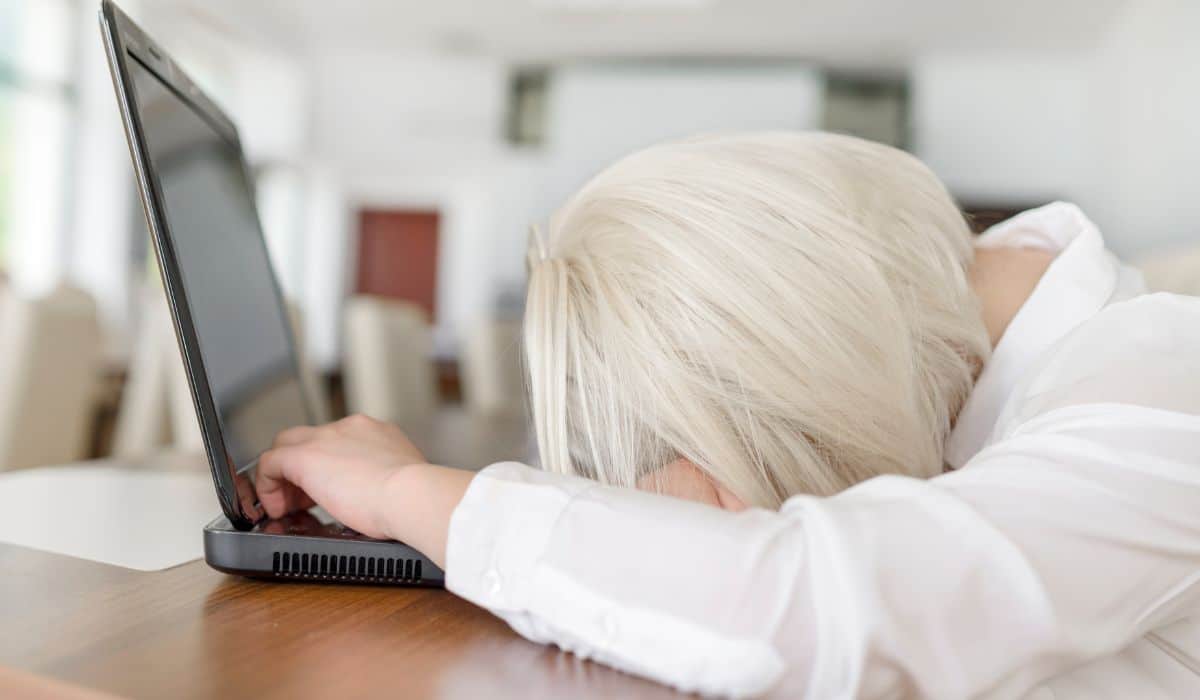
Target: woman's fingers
x: 366, y: 430
x: 296, y: 499
x: 278, y: 491
x: 281, y: 472
x: 295, y: 436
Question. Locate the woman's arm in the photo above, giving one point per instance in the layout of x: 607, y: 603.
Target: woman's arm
x: 383, y: 488
x: 1074, y: 533
x: 1049, y: 550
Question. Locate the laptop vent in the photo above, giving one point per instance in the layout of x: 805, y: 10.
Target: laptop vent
x: 333, y: 567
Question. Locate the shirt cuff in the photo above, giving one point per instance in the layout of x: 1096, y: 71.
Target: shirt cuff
x: 500, y: 529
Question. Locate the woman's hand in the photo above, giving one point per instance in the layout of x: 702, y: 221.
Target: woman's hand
x: 683, y: 479
x: 369, y: 476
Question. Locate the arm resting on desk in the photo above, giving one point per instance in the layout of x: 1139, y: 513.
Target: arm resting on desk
x: 1049, y: 548
x: 992, y: 578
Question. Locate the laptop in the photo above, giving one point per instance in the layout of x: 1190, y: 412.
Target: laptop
x: 230, y: 321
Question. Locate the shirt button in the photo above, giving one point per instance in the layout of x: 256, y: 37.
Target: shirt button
x: 491, y: 582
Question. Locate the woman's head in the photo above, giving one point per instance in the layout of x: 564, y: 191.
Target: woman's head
x: 789, y: 311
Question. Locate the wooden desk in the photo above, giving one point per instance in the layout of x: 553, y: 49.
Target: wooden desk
x: 192, y: 632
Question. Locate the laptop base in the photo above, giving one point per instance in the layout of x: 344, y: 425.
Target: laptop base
x: 301, y: 547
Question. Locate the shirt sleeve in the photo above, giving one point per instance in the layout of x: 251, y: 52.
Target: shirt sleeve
x: 1073, y: 533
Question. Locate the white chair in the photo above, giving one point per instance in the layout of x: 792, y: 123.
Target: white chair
x: 388, y: 366
x: 143, y: 419
x: 1175, y: 271
x: 314, y: 388
x: 493, y: 381
x: 50, y: 360
x: 156, y: 410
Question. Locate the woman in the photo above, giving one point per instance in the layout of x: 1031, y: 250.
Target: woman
x: 871, y: 458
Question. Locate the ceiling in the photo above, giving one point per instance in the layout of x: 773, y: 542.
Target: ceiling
x: 851, y: 33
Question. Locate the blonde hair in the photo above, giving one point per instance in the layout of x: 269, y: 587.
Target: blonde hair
x: 789, y: 311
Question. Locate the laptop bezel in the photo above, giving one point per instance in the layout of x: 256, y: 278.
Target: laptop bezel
x: 123, y: 39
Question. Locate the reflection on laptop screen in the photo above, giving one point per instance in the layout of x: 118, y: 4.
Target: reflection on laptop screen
x: 212, y: 224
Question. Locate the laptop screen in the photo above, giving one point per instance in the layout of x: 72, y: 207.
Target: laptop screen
x: 211, y: 220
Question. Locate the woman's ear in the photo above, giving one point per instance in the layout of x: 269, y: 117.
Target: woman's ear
x: 683, y: 479
x: 728, y: 500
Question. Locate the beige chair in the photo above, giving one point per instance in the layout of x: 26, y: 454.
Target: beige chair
x: 388, y: 365
x: 50, y: 361
x: 1175, y: 271
x: 157, y: 409
x: 314, y: 388
x: 493, y: 381
x: 143, y: 418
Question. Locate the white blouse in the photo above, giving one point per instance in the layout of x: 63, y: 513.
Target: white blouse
x: 1068, y: 532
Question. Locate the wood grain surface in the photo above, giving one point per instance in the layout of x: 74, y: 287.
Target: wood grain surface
x: 192, y: 632
x: 68, y: 625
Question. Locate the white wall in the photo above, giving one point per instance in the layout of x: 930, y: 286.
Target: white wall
x: 1113, y: 127
x: 407, y: 112
x: 600, y: 113
x: 1150, y: 67
x: 418, y: 130
x: 1012, y: 127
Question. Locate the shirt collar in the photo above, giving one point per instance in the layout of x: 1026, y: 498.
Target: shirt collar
x: 1078, y: 283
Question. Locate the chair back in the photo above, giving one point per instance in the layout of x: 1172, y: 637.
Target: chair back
x: 314, y: 388
x: 1176, y: 271
x: 50, y: 363
x: 388, y: 367
x: 493, y: 381
x: 143, y: 418
x: 157, y: 409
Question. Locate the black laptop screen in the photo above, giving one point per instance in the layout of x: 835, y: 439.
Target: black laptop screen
x: 213, y: 226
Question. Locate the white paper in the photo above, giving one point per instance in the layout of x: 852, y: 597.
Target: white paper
x: 135, y: 518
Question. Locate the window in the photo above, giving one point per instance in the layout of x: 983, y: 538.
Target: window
x: 526, y: 120
x: 869, y: 107
x: 36, y: 102
x: 5, y: 163
x: 7, y: 38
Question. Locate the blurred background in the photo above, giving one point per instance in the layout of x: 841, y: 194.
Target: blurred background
x: 401, y: 150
